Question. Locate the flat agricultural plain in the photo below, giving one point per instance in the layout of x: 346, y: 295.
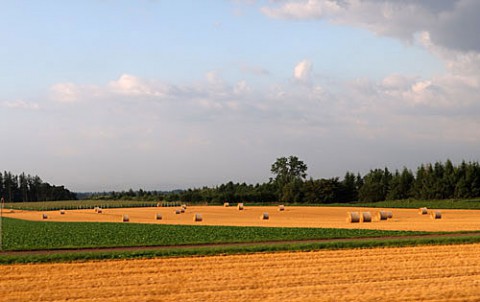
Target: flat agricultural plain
x: 295, y: 216
x: 427, y: 273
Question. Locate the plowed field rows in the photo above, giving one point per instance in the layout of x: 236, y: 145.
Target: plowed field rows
x: 428, y: 273
x: 321, y: 217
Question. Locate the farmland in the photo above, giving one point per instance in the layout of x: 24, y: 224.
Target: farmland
x: 433, y: 273
x: 301, y: 217
x: 34, y: 235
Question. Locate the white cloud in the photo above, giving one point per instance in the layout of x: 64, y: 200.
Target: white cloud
x: 303, y: 71
x: 21, y: 104
x: 241, y: 88
x: 65, y: 92
x: 133, y: 86
x: 310, y: 9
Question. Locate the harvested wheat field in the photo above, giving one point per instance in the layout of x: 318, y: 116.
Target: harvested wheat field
x: 428, y: 273
x: 318, y: 217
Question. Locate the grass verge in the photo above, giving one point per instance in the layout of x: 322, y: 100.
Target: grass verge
x: 233, y: 250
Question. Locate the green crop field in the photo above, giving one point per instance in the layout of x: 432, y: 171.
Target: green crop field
x: 32, y: 235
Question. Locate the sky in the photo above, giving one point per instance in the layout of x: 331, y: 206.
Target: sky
x: 101, y: 95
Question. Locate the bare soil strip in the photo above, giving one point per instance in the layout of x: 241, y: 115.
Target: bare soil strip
x: 427, y: 273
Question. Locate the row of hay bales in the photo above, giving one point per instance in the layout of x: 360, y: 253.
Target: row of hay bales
x: 434, y: 214
x: 183, y: 208
x: 356, y: 217
x: 240, y: 206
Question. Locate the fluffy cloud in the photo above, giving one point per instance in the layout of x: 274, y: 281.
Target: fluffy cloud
x: 65, y: 92
x: 451, y: 23
x: 21, y: 104
x: 303, y: 71
x: 133, y: 86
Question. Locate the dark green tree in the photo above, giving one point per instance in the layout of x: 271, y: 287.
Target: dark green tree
x: 289, y: 174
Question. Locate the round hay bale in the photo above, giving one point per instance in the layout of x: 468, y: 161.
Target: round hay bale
x: 182, y: 210
x: 240, y: 206
x: 177, y: 211
x: 436, y: 214
x: 423, y: 211
x: 389, y: 214
x: 197, y: 217
x: 382, y: 215
x: 184, y: 206
x: 366, y: 217
x: 281, y: 207
x: 126, y: 218
x: 264, y: 216
x: 99, y: 211
x: 159, y: 204
x: 62, y: 212
x: 353, y: 217
x: 226, y: 204
x: 158, y: 216
x: 44, y: 216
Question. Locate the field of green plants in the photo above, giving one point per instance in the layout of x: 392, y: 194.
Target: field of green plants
x: 35, y: 235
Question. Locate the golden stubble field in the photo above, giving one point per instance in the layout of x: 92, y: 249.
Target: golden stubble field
x: 318, y: 217
x: 428, y: 273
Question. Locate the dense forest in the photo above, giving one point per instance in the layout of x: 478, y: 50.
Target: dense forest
x: 18, y: 188
x: 290, y: 185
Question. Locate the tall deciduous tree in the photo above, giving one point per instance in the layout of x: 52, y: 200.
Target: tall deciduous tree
x: 289, y: 175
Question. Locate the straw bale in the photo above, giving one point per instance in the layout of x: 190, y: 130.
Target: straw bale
x: 158, y: 216
x: 44, y: 216
x: 126, y: 218
x: 281, y: 207
x: 389, y: 214
x: 197, y: 217
x: 62, y: 212
x: 264, y: 216
x: 436, y: 215
x: 366, y: 217
x: 382, y: 215
x: 240, y: 206
x: 226, y: 204
x: 177, y: 212
x: 423, y: 211
x: 353, y: 217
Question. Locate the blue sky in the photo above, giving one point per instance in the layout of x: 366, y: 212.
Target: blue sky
x: 112, y: 95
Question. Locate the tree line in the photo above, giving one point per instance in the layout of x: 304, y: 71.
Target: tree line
x: 19, y: 188
x: 290, y: 185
